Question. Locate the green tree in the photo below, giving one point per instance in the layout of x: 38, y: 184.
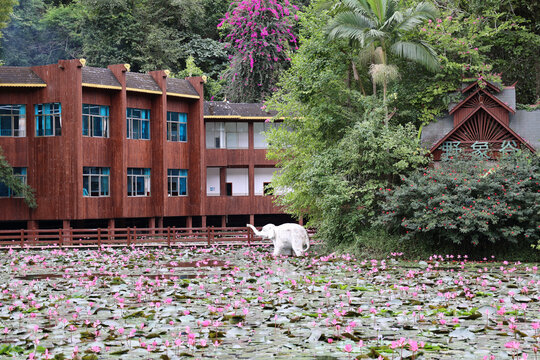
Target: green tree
x: 212, y: 87
x: 14, y: 183
x: 329, y: 148
x: 381, y: 27
x: 469, y: 201
x: 514, y: 52
x: 27, y: 40
x: 6, y: 8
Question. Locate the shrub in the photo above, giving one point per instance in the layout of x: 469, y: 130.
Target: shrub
x: 468, y: 202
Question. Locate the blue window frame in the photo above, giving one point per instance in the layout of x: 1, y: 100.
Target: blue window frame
x: 48, y: 119
x: 177, y: 182
x: 138, y: 181
x: 20, y: 173
x: 13, y: 120
x: 176, y: 126
x: 138, y: 123
x: 96, y: 181
x: 95, y: 120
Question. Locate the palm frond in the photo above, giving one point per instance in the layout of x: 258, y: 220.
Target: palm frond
x: 396, y: 18
x: 419, y: 52
x: 428, y: 10
x: 376, y: 34
x: 357, y: 6
x: 416, y: 16
x: 349, y: 25
x: 379, y: 8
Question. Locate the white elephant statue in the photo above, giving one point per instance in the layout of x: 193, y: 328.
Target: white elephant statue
x: 286, y: 238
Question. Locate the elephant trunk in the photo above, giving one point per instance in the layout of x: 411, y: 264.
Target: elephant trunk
x: 257, y: 232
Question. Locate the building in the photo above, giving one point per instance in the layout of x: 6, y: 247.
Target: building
x: 106, y: 147
x: 485, y: 123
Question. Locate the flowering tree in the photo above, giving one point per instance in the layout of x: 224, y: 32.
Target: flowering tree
x: 260, y: 36
x: 468, y: 202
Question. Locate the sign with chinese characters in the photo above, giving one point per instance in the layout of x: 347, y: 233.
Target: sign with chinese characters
x: 479, y: 149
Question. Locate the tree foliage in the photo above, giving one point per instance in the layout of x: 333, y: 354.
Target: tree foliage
x: 491, y: 45
x: 260, y: 36
x: 27, y: 40
x: 6, y: 7
x: 148, y: 34
x: 468, y: 202
x: 14, y: 183
x: 333, y: 149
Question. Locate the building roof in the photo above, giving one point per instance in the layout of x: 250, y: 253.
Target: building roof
x: 505, y: 130
x: 523, y: 126
x: 488, y: 94
x: 19, y: 76
x: 141, y: 82
x: 225, y: 109
x: 181, y: 87
x: 99, y: 77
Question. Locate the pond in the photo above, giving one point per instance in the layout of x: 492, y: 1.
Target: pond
x: 241, y: 303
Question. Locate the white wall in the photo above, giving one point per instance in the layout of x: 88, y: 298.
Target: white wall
x: 239, y: 180
x: 262, y: 175
x: 212, y: 181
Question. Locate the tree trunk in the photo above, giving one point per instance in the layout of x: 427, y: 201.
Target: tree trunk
x: 537, y: 68
x: 357, y: 78
x: 384, y: 102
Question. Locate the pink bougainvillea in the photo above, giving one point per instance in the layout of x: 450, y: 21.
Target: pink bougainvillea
x: 260, y: 33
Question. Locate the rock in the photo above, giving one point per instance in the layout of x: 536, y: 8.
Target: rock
x: 314, y: 336
x: 522, y: 298
x: 462, y: 334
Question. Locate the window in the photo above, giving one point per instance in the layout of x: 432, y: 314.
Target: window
x: 215, y: 135
x: 177, y: 182
x: 138, y: 124
x: 176, y: 126
x: 259, y: 140
x: 138, y: 182
x: 5, y: 191
x: 95, y: 120
x: 238, y: 180
x: 96, y: 181
x: 262, y: 177
x: 267, y: 189
x: 13, y: 120
x: 229, y: 135
x: 237, y: 135
x: 48, y: 119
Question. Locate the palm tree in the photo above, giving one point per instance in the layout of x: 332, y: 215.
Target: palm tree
x: 379, y: 27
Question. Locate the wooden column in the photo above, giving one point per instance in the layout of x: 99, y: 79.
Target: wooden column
x: 66, y: 225
x: 252, y: 219
x: 222, y: 181
x: 158, y: 131
x: 117, y: 133
x: 223, y: 221
x: 197, y: 159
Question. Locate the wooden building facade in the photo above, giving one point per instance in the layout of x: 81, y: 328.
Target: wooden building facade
x: 109, y: 147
